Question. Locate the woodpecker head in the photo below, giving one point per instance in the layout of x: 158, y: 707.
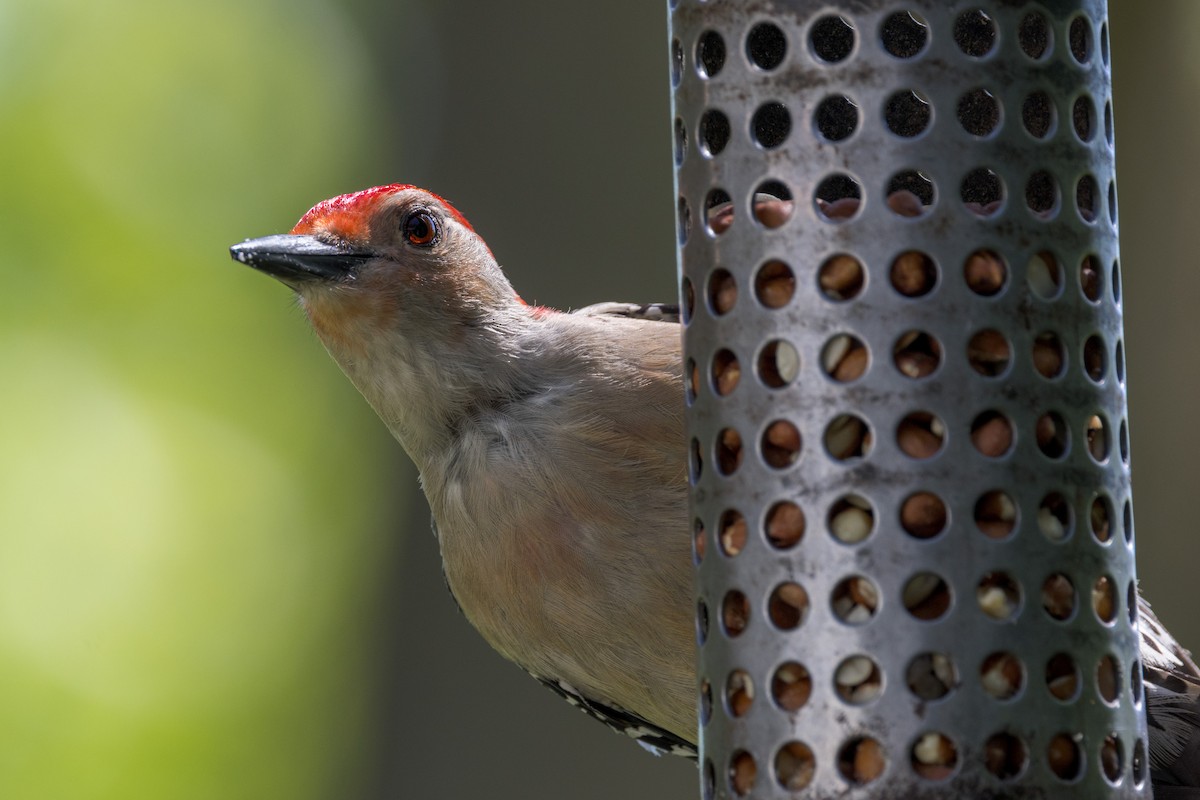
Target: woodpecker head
x: 388, y: 260
x: 404, y: 294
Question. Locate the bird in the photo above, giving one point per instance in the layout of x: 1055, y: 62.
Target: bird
x: 551, y: 450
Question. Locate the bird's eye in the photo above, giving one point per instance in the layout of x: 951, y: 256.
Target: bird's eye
x: 420, y: 229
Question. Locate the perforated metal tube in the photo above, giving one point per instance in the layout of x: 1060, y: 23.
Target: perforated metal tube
x: 907, y: 420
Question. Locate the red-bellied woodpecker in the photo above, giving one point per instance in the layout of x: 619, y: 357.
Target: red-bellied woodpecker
x: 551, y: 450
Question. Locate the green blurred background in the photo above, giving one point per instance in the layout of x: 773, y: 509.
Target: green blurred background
x: 216, y: 572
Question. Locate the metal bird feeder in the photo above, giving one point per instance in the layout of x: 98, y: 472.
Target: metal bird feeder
x: 907, y: 418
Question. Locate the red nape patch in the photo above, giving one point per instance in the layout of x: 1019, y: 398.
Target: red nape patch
x: 537, y: 312
x: 347, y: 215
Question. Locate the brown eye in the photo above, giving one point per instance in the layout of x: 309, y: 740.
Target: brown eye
x: 420, y: 229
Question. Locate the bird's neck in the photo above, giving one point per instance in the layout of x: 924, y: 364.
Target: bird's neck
x: 422, y: 382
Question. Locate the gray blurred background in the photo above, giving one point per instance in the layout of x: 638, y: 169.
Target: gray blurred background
x: 547, y: 123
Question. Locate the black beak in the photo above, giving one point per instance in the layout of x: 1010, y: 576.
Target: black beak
x: 294, y: 259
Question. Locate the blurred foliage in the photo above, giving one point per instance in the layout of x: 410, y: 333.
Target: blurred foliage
x: 184, y: 529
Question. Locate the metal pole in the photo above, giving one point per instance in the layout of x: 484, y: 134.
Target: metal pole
x: 907, y: 419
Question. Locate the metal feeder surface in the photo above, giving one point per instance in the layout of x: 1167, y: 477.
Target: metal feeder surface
x: 907, y: 412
